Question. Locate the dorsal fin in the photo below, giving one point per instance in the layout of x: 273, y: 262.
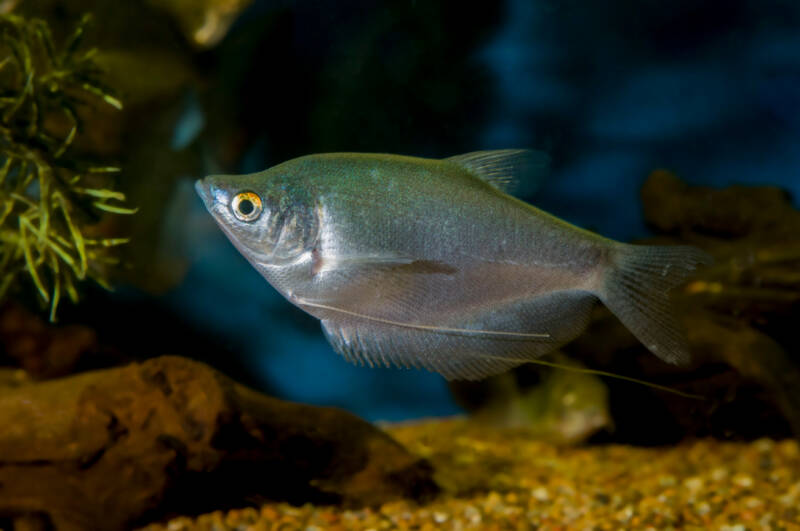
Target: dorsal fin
x: 505, y: 169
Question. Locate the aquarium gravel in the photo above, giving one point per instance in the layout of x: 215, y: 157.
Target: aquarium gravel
x: 503, y: 479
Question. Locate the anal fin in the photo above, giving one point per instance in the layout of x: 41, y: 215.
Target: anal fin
x: 382, y: 346
x: 468, y: 351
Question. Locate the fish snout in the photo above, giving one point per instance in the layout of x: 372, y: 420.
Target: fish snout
x: 209, y: 192
x: 203, y: 188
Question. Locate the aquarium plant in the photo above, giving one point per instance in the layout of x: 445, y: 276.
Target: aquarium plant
x: 51, y: 200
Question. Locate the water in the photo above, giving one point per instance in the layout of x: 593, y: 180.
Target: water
x: 612, y: 92
x: 706, y: 92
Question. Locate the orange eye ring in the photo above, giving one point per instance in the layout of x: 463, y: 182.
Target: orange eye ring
x: 246, y: 206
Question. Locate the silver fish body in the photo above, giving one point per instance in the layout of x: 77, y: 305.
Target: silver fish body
x: 429, y: 263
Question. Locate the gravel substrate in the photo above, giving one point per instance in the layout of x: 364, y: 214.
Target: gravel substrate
x: 502, y: 479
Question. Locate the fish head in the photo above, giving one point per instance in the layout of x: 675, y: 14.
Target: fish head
x: 271, y: 222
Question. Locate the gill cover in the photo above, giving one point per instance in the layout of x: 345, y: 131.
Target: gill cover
x: 289, y: 228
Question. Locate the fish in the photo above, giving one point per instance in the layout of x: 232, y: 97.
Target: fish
x: 431, y: 263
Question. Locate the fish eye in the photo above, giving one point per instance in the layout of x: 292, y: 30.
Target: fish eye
x: 246, y: 206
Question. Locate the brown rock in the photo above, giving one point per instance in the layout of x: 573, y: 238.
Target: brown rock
x: 107, y: 449
x: 41, y: 349
x: 203, y: 22
x: 671, y: 205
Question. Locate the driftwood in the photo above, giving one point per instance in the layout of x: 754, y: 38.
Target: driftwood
x: 740, y: 314
x: 112, y: 448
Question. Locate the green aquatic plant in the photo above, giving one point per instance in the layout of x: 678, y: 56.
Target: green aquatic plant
x: 51, y: 201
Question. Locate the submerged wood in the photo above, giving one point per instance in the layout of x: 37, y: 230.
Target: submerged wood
x: 111, y: 448
x: 740, y: 314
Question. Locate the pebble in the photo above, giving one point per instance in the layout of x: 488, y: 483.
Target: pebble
x: 505, y: 479
x: 719, y: 474
x: 541, y: 494
x: 742, y: 480
x: 694, y: 484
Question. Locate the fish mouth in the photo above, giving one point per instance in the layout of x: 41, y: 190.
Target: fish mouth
x: 211, y: 193
x: 203, y: 188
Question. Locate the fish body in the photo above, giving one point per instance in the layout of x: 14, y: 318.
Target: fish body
x: 430, y: 263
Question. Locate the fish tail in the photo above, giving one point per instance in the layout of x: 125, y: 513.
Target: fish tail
x: 636, y: 289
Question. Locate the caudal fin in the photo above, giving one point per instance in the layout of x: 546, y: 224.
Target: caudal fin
x: 637, y: 289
